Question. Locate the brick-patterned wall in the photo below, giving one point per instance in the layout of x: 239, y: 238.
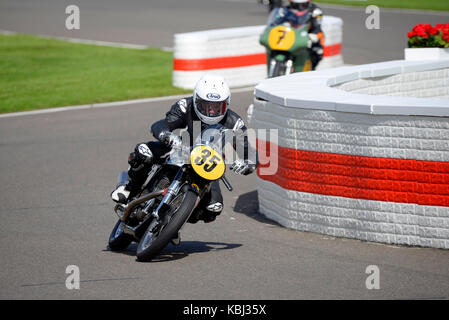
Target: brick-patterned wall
x: 385, y: 136
x: 370, y: 177
x: 424, y: 84
x: 368, y: 220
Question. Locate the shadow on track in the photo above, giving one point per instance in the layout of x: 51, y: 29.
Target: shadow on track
x: 171, y: 252
x: 248, y: 204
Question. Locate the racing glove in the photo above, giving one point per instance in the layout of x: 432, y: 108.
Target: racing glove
x: 243, y: 167
x: 315, y: 40
x: 170, y: 139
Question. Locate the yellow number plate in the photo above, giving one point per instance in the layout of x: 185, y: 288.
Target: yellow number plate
x: 207, y: 163
x: 281, y: 38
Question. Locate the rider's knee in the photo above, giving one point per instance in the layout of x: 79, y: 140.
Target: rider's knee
x: 141, y: 156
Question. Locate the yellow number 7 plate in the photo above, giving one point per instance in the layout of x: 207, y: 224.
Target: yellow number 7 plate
x: 281, y: 38
x: 207, y: 163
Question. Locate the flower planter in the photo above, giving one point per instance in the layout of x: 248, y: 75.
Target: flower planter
x: 415, y: 54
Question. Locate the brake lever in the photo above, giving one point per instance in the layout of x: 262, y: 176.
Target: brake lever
x: 226, y: 183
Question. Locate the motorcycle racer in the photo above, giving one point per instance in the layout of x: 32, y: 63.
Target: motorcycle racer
x: 302, y: 11
x: 209, y: 105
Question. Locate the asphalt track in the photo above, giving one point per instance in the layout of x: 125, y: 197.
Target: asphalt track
x: 57, y: 170
x: 154, y: 22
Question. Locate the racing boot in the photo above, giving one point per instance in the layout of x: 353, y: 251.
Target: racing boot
x: 140, y: 162
x: 120, y: 195
x: 211, y: 212
x: 136, y: 179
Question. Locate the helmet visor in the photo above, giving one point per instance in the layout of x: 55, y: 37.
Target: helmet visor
x: 209, y: 108
x: 300, y: 6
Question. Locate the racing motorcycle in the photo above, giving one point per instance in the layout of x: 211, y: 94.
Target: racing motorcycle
x: 174, y: 187
x: 286, y: 39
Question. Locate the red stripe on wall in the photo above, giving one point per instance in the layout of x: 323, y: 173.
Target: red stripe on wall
x: 332, y: 50
x: 358, y: 177
x: 236, y: 61
x: 219, y: 63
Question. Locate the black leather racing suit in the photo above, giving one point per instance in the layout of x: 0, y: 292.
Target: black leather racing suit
x: 180, y: 116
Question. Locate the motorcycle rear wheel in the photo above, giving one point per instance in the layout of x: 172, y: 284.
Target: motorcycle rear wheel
x: 152, y: 243
x: 118, y: 240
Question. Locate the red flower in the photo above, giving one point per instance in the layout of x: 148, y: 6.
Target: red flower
x: 434, y: 31
x: 423, y: 35
x: 418, y: 26
x: 419, y: 29
x: 427, y: 35
x: 428, y: 27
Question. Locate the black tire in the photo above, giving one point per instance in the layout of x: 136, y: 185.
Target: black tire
x: 145, y: 251
x: 278, y: 69
x: 118, y: 240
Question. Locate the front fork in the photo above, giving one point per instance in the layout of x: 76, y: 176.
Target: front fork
x: 288, y: 67
x: 271, y: 70
x: 171, y: 192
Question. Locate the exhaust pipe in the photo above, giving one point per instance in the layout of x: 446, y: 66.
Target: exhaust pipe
x: 124, y: 211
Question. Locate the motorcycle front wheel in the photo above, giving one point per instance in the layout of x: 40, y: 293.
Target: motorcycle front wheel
x: 278, y: 69
x: 156, y: 239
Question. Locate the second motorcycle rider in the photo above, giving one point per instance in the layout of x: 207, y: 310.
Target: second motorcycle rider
x: 315, y: 16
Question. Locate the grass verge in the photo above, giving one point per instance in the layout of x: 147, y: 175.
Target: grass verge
x: 38, y: 73
x: 439, y: 5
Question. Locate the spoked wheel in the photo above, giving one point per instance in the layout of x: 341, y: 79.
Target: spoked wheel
x: 157, y: 236
x: 118, y: 240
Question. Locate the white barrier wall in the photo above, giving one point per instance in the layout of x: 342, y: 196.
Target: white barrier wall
x: 237, y: 55
x: 354, y: 165
x: 425, y: 84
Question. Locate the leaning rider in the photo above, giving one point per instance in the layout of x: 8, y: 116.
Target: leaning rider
x: 209, y: 105
x: 307, y: 11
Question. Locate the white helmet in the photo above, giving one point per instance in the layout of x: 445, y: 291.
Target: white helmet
x: 211, y: 98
